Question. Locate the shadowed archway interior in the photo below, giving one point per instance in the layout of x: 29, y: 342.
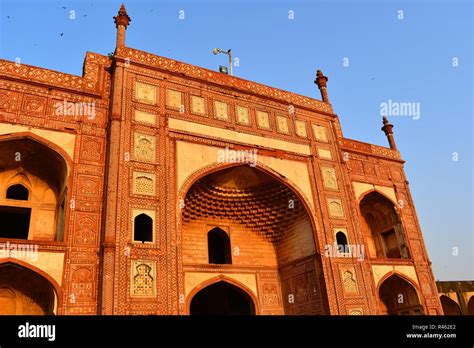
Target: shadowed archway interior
x: 243, y: 220
x: 24, y: 292
x: 449, y: 306
x: 33, y: 186
x: 399, y: 297
x: 222, y: 298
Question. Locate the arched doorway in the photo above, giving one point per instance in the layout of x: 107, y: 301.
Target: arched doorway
x: 399, y: 297
x: 32, y: 195
x: 24, y: 292
x: 449, y: 306
x: 470, y: 306
x: 382, y: 228
x: 244, y: 219
x: 218, y: 245
x: 222, y: 298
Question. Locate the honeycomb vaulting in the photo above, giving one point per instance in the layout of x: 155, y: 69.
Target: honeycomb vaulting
x: 254, y: 199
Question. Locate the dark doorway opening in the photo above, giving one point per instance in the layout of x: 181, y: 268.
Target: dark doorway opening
x: 15, y: 222
x: 222, y: 298
x: 218, y: 244
x: 398, y: 297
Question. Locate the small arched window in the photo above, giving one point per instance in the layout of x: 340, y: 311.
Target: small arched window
x: 18, y: 192
x: 341, y: 240
x: 143, y: 228
x: 218, y: 244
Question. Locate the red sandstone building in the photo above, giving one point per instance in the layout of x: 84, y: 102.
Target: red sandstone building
x: 152, y: 186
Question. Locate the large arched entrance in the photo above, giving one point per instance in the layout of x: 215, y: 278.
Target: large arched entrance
x: 399, y: 297
x: 262, y: 230
x: 222, y: 298
x: 33, y: 190
x: 24, y: 292
x: 449, y: 306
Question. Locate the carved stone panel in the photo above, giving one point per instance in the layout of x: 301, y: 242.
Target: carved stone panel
x: 198, y: 105
x: 88, y: 186
x: 282, y: 124
x: 329, y: 177
x: 174, y: 99
x: 91, y: 148
x: 242, y: 115
x: 263, y: 119
x: 145, y: 147
x: 335, y: 207
x: 349, y: 281
x: 300, y: 127
x: 86, y: 229
x: 320, y: 133
x: 143, y: 278
x: 271, y: 296
x: 34, y: 104
x: 82, y: 283
x: 145, y: 93
x: 144, y: 183
x: 221, y: 110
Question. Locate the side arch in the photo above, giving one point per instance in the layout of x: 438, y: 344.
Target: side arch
x: 57, y: 290
x: 215, y: 280
x: 410, y: 281
x: 366, y: 193
x: 450, y: 307
x: 41, y: 140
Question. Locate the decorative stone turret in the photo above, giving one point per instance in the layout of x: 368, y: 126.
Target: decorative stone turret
x: 121, y: 23
x: 387, y: 129
x: 321, y: 82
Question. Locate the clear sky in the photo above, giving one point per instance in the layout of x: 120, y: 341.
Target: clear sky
x: 424, y: 57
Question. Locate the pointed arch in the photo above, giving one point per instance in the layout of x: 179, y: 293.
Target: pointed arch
x: 22, y: 157
x: 450, y: 307
x: 226, y: 279
x: 382, y: 227
x: 41, y: 275
x: 399, y: 295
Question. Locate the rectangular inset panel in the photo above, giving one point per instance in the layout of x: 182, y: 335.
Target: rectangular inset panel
x: 221, y: 110
x: 300, y: 127
x: 144, y: 147
x: 324, y: 153
x: 335, y: 207
x: 263, y: 119
x: 174, y: 99
x: 145, y: 117
x: 349, y: 280
x: 145, y: 93
x: 329, y: 177
x: 143, y: 278
x: 282, y: 124
x: 242, y: 115
x: 198, y: 105
x: 144, y: 183
x: 320, y: 133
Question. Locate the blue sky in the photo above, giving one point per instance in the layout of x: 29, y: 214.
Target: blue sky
x: 404, y: 60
